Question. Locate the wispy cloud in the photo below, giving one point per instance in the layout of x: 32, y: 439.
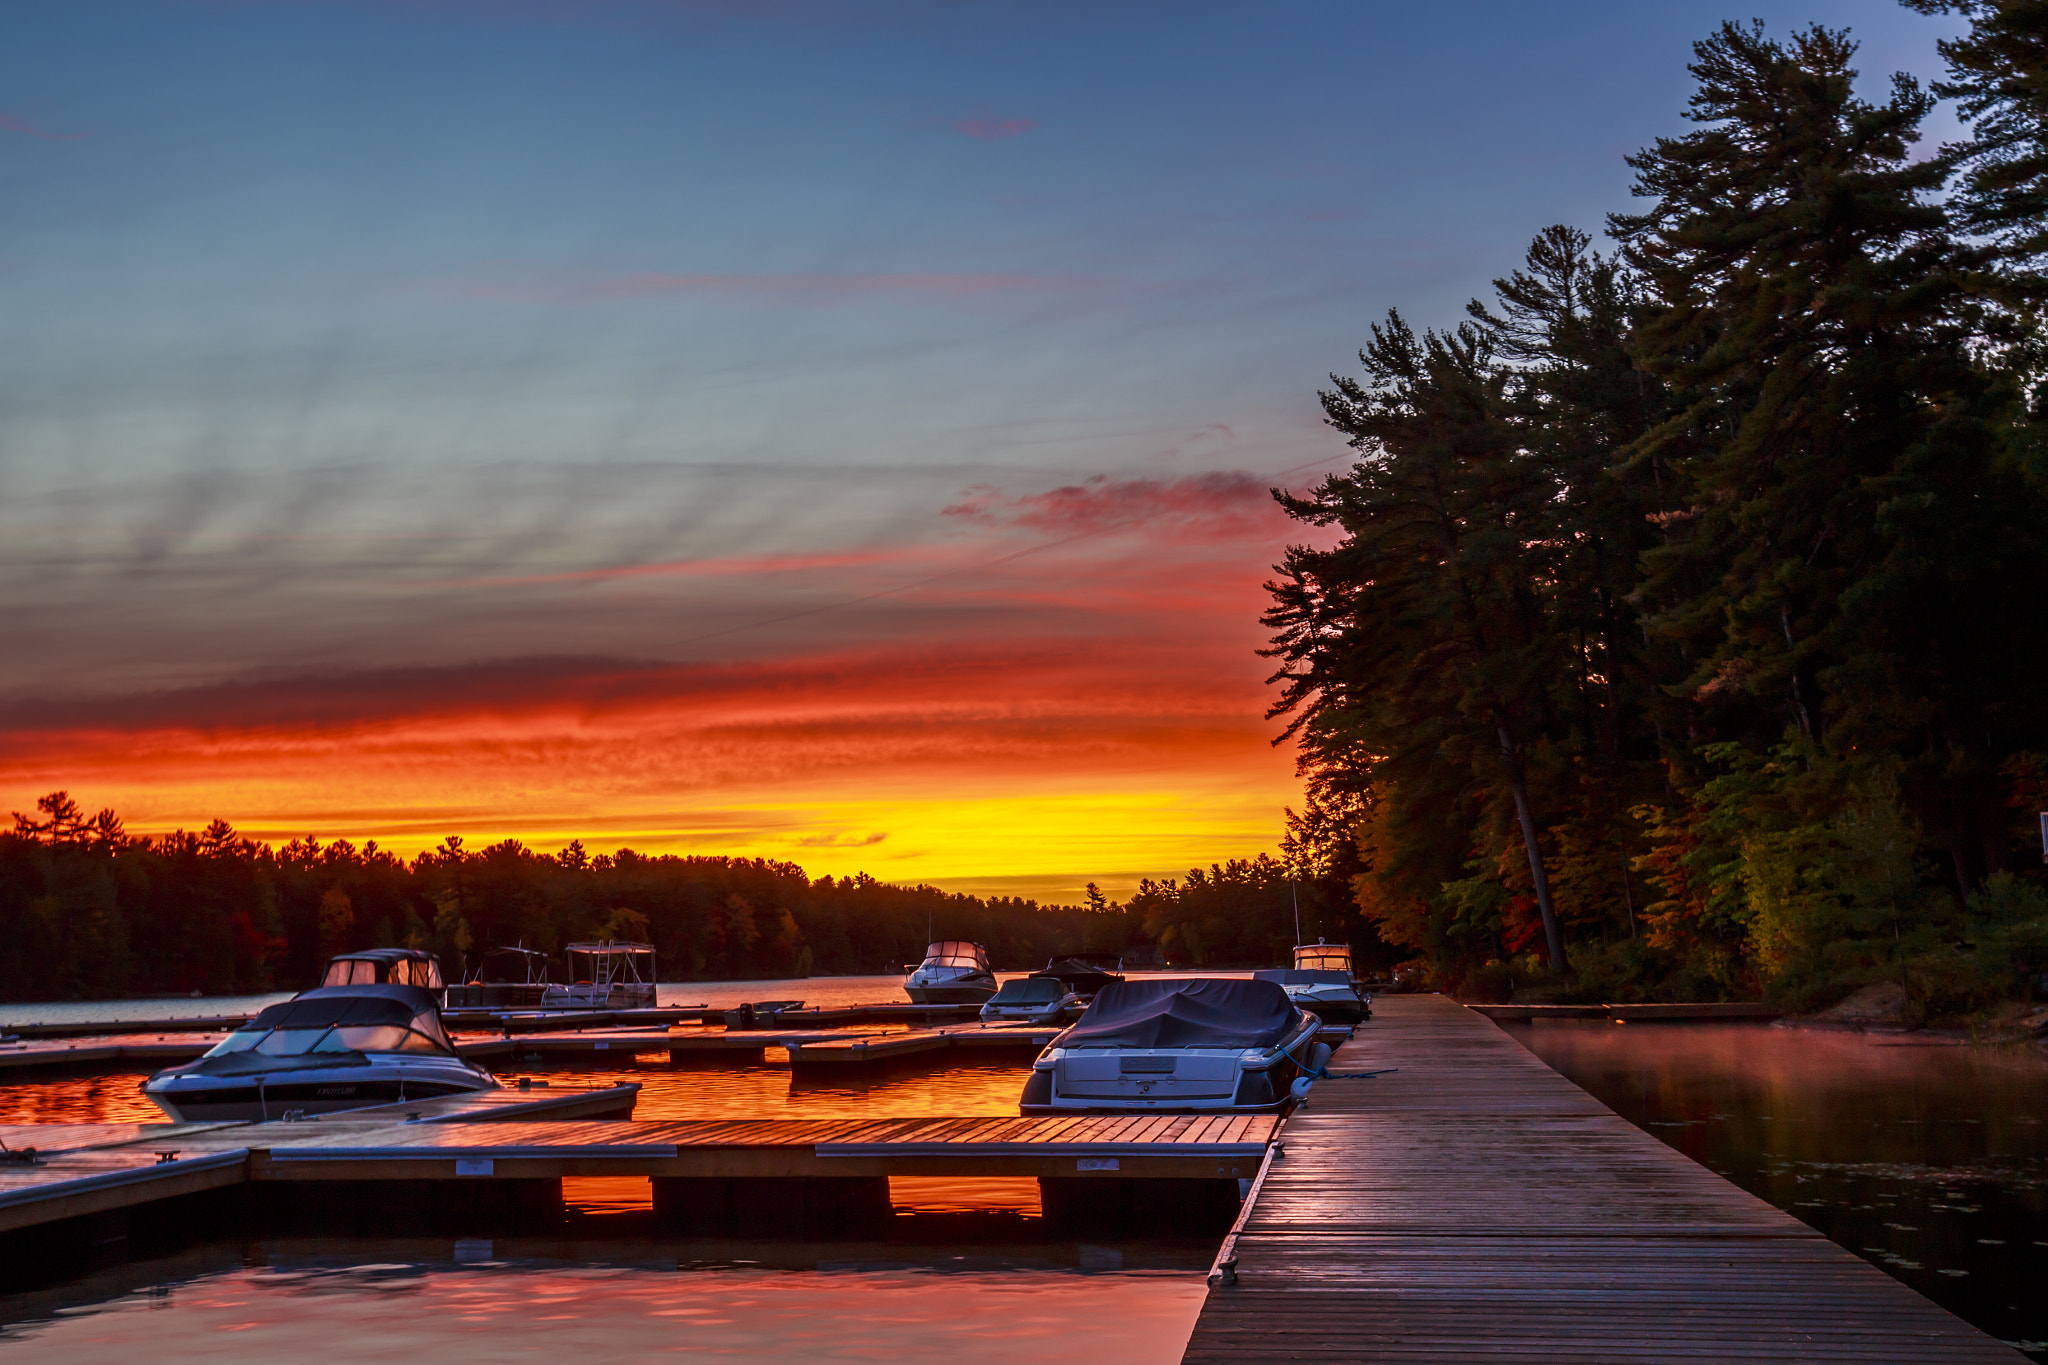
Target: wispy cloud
x: 728, y: 566
x: 28, y: 127
x: 794, y: 287
x: 995, y: 129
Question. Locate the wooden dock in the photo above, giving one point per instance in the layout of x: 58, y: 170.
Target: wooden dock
x: 86, y: 1169
x: 542, y: 1021
x: 842, y: 1050
x: 1477, y: 1206
x: 805, y: 1046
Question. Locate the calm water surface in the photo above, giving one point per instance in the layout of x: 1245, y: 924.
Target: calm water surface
x: 1925, y: 1157
x: 970, y: 1271
x: 478, y: 1302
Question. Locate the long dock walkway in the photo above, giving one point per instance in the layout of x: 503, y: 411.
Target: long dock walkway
x: 1476, y: 1206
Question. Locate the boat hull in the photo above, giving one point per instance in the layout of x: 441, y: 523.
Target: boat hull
x: 243, y: 1099
x: 964, y: 991
x: 1336, y: 1011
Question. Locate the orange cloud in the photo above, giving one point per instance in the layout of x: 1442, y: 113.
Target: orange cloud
x: 1062, y: 687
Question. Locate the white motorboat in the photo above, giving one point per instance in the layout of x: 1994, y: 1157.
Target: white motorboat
x: 611, y: 975
x: 1189, y: 1045
x: 954, y: 972
x: 321, y: 1052
x: 1035, y: 999
x: 1321, y: 980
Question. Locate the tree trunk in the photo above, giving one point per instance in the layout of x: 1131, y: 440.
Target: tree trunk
x: 1553, y: 935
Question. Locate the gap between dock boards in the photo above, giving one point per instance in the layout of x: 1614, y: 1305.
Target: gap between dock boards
x: 1476, y: 1205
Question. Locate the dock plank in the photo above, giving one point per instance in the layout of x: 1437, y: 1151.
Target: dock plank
x: 1474, y: 1205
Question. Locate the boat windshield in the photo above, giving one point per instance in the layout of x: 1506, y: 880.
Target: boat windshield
x: 338, y: 1024
x: 1031, y: 990
x: 952, y: 953
x: 1323, y: 957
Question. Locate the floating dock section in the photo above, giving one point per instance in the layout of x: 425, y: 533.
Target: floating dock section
x: 1477, y: 1206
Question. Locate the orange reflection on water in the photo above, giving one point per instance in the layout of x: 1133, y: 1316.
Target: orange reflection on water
x: 112, y: 1097
x: 491, y: 1313
x: 665, y: 1093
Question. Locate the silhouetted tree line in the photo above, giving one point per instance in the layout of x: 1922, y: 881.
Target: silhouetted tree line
x: 89, y: 912
x: 1683, y: 622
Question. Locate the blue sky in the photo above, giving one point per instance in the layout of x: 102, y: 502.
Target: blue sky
x: 342, y: 336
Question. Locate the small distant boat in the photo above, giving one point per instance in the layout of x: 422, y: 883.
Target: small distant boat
x: 1035, y: 999
x: 325, y: 1050
x: 611, y: 975
x: 1321, y: 980
x: 954, y: 972
x: 1177, y: 1046
x: 1085, y: 973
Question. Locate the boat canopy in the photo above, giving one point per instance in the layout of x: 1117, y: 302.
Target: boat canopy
x: 1323, y: 957
x: 1297, y: 976
x: 518, y: 966
x: 956, y: 953
x: 1030, y: 990
x: 335, y: 1019
x: 1203, y: 1012
x: 611, y: 961
x: 396, y: 966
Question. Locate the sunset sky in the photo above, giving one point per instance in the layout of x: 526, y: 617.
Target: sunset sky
x: 825, y: 430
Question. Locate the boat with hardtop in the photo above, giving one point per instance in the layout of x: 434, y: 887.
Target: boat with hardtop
x: 954, y: 972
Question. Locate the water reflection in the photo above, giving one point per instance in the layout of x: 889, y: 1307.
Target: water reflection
x: 727, y: 1092
x: 484, y: 1301
x: 1924, y: 1156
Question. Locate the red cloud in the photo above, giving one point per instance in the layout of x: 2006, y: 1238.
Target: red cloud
x: 28, y: 127
x: 995, y: 129
x: 1224, y: 502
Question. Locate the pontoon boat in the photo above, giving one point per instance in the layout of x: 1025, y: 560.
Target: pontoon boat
x: 513, y: 978
x: 605, y: 976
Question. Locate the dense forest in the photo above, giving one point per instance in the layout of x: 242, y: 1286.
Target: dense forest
x: 1679, y: 627
x: 90, y: 912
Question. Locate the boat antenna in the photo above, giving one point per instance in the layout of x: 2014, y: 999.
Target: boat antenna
x: 1295, y: 887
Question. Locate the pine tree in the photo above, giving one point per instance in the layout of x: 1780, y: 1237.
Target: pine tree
x: 1423, y: 639
x: 1843, y: 559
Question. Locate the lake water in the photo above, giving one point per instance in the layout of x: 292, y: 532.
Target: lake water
x: 1926, y: 1157
x: 969, y: 1271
